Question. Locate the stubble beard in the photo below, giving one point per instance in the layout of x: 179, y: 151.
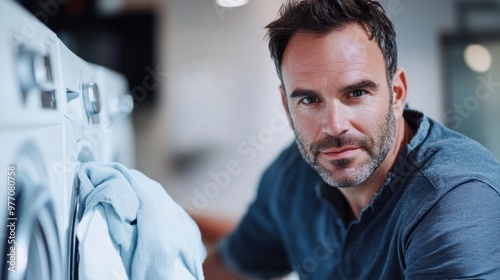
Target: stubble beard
x: 377, y: 152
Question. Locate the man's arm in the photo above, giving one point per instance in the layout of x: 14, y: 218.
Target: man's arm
x: 458, y: 238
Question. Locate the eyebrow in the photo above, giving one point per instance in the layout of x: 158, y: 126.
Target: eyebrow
x: 364, y: 84
x: 300, y: 93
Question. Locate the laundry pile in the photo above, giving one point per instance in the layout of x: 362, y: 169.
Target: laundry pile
x: 130, y: 228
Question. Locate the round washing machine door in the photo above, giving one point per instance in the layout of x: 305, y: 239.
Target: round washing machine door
x: 37, y: 248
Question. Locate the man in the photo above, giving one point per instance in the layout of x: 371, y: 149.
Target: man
x: 371, y: 190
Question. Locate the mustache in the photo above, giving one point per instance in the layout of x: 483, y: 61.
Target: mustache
x: 339, y: 142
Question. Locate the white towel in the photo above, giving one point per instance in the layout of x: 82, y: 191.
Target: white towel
x: 98, y: 256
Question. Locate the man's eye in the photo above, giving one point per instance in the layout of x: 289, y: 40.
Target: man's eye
x: 309, y: 100
x: 357, y: 93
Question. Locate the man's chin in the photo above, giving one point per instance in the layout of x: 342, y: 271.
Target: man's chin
x: 341, y: 182
x: 338, y: 166
x: 341, y: 177
x: 341, y: 164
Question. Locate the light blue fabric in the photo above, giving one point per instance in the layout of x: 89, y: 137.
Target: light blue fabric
x: 149, y: 228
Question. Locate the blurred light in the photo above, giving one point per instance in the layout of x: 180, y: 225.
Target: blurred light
x: 478, y: 58
x: 231, y: 3
x: 109, y: 6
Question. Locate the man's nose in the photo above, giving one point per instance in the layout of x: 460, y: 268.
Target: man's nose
x: 336, y: 121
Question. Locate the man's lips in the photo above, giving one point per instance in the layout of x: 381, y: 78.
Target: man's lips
x: 338, y: 153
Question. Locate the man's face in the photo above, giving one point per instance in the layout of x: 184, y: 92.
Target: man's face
x: 339, y: 103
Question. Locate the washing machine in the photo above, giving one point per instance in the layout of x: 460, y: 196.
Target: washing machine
x: 82, y: 141
x: 57, y: 112
x: 116, y: 122
x: 31, y: 140
x: 97, y: 128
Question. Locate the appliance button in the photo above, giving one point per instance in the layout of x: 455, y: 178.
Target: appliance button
x: 91, y: 99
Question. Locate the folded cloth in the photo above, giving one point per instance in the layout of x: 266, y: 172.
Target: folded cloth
x: 151, y: 231
x: 98, y: 256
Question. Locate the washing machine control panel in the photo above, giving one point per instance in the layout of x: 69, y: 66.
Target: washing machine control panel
x: 35, y: 76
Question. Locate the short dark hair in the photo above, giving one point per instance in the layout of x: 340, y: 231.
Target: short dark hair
x: 324, y: 16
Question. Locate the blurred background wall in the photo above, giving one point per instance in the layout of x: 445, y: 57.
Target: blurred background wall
x: 225, y: 108
x: 208, y: 115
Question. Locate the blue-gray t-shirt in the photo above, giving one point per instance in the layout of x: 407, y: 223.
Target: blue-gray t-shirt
x: 437, y: 216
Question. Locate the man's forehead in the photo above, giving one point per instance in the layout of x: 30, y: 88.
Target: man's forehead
x: 348, y: 50
x: 349, y: 40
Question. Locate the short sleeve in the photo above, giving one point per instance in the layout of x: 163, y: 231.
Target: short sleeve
x: 459, y: 237
x: 255, y: 248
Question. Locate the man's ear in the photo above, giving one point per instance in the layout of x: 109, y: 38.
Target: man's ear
x: 399, y: 91
x: 285, y: 105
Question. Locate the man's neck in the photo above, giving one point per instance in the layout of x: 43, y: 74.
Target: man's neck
x: 360, y: 196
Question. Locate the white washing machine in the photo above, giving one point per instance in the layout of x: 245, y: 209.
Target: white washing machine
x: 83, y: 138
x: 31, y: 137
x: 32, y: 248
x: 53, y: 117
x: 116, y: 123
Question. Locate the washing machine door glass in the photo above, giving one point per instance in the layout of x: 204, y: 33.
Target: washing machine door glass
x: 39, y: 264
x: 37, y: 241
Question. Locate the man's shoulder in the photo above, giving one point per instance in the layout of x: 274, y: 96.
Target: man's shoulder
x: 450, y: 158
x: 444, y: 161
x: 452, y: 176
